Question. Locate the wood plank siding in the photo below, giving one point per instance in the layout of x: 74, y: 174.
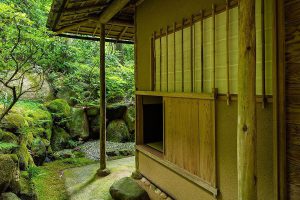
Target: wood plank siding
x: 292, y: 60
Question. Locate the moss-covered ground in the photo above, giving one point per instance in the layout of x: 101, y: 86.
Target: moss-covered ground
x: 48, y: 180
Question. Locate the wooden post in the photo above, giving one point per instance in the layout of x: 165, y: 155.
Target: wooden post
x: 103, y: 171
x: 246, y: 128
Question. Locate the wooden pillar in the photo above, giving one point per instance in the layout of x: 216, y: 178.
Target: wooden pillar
x: 102, y: 171
x: 246, y: 130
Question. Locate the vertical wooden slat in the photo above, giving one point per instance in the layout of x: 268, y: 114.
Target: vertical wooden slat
x: 182, y: 54
x: 152, y: 57
x: 174, y: 43
x: 202, y: 53
x: 154, y: 61
x: 213, y: 49
x: 160, y: 61
x: 246, y: 128
x: 227, y: 53
x: 167, y: 57
x: 263, y: 60
x: 192, y: 55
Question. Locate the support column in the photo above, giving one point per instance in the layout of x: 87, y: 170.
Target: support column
x: 246, y: 130
x: 103, y: 171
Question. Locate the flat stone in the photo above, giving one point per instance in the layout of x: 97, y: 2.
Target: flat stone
x: 127, y: 189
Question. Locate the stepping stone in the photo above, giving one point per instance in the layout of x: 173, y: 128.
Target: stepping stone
x: 127, y: 189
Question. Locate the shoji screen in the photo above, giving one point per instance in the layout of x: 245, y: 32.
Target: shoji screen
x: 185, y: 57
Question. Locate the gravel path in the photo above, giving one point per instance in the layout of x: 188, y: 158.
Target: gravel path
x: 92, y: 151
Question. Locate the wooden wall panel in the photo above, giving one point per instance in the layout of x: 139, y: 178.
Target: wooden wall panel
x: 292, y: 60
x: 190, y: 137
x: 207, y: 140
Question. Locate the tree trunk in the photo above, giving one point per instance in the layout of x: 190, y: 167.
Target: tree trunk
x: 246, y: 130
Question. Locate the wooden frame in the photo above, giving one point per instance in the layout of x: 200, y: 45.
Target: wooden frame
x: 161, y: 156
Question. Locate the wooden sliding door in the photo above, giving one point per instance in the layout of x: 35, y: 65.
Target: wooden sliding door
x: 190, y: 136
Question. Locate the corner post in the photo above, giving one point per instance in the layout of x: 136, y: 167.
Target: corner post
x: 246, y: 130
x: 103, y: 171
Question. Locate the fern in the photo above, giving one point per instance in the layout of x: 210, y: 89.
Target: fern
x: 4, y: 146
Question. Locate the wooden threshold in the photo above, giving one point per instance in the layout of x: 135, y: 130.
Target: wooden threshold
x: 158, y: 157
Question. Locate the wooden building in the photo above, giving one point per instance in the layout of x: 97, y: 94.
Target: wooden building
x: 218, y: 90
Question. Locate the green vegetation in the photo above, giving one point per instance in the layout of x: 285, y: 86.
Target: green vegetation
x: 48, y: 180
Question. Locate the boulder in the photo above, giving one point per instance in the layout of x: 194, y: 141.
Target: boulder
x: 7, y: 171
x: 38, y: 151
x: 79, y: 127
x: 117, y: 131
x: 127, y: 189
x: 129, y: 118
x: 93, y: 111
x: 24, y: 156
x: 9, y: 196
x: 94, y: 126
x: 60, y: 111
x: 115, y: 111
x: 14, y: 121
x: 59, y: 139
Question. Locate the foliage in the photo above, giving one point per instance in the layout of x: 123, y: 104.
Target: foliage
x: 4, y: 146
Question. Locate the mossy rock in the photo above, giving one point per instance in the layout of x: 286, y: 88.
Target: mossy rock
x: 79, y: 126
x: 9, y: 196
x: 93, y: 111
x: 40, y: 117
x: 59, y: 139
x: 68, y: 153
x: 14, y: 121
x: 7, y: 171
x: 117, y: 131
x: 127, y: 189
x: 6, y: 136
x: 60, y: 111
x: 25, y: 159
x: 94, y: 126
x: 129, y: 118
x: 115, y: 111
x: 38, y: 151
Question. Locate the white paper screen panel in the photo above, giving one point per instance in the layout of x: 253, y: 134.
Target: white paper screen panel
x: 183, y: 73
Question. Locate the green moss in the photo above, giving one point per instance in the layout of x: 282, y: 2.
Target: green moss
x: 59, y: 139
x: 8, y: 137
x: 117, y: 131
x: 26, y: 188
x: 7, y: 171
x: 48, y: 183
x: 6, y: 148
x: 59, y: 109
x: 24, y: 156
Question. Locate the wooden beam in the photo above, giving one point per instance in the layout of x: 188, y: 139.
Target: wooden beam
x: 105, y: 16
x: 112, y: 10
x: 246, y: 128
x: 81, y: 10
x: 123, y: 32
x: 102, y: 171
x: 227, y: 53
